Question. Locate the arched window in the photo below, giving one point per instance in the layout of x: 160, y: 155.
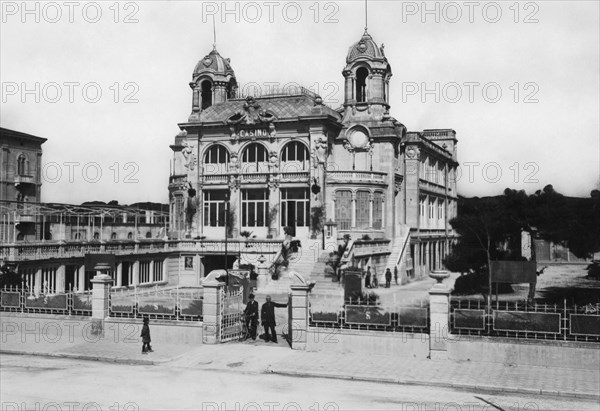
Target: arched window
x: 294, y: 157
x: 148, y: 234
x: 255, y: 159
x: 343, y: 209
x: 362, y: 209
x: 130, y: 235
x: 113, y: 236
x: 377, y: 210
x: 231, y: 89
x: 361, y: 84
x: 206, y: 93
x: 216, y: 160
x: 22, y: 165
x: 96, y: 236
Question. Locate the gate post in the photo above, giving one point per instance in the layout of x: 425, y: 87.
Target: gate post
x: 100, y: 294
x: 211, y: 312
x: 439, y: 312
x: 298, y: 319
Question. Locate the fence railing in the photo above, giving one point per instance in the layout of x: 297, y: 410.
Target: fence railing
x: 179, y: 304
x: 14, y: 299
x: 526, y: 321
x: 365, y: 314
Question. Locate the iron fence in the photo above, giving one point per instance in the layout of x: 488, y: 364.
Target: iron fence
x: 524, y: 320
x: 178, y: 304
x: 369, y: 315
x: 24, y: 300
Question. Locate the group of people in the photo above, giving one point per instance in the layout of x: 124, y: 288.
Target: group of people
x: 371, y: 280
x: 267, y: 318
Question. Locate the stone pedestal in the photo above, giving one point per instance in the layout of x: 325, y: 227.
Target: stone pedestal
x: 101, y: 285
x: 439, y: 308
x: 211, y: 312
x: 298, y: 316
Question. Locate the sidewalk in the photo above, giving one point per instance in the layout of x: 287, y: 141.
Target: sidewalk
x: 260, y: 357
x: 466, y: 375
x: 107, y: 349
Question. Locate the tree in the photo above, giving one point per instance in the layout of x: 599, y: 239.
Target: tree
x: 9, y: 277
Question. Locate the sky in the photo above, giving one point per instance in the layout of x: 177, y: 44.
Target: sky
x: 107, y: 83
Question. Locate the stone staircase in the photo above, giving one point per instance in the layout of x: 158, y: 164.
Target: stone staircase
x: 400, y: 247
x: 309, y: 262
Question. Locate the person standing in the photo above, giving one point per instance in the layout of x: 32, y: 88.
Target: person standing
x: 396, y: 274
x: 375, y: 280
x: 368, y: 278
x: 146, y: 348
x: 388, y: 278
x: 251, y: 313
x: 267, y: 318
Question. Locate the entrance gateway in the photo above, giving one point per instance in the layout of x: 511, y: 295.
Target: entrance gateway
x: 232, y: 308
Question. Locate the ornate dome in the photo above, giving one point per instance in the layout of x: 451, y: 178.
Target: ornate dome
x: 213, y: 63
x: 365, y: 48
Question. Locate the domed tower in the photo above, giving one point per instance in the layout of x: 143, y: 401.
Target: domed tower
x: 367, y: 75
x: 213, y: 82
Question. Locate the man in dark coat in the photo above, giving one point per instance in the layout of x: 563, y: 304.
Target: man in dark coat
x: 388, y: 278
x: 146, y: 348
x: 251, y: 313
x: 267, y: 318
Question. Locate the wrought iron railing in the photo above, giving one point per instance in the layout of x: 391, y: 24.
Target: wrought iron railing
x: 178, y: 304
x: 524, y: 320
x: 369, y: 315
x: 22, y: 300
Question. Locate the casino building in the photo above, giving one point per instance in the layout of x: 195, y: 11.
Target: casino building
x: 289, y: 160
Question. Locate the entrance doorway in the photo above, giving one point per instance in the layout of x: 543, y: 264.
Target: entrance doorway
x: 295, y: 210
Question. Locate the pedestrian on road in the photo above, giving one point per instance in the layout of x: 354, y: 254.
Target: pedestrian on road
x: 267, y: 318
x: 375, y: 282
x: 368, y: 278
x: 388, y: 278
x: 146, y: 348
x: 251, y: 313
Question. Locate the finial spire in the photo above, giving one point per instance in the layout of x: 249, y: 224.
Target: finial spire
x: 214, y: 33
x: 366, y: 15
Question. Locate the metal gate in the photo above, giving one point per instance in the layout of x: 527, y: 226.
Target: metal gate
x: 231, y: 314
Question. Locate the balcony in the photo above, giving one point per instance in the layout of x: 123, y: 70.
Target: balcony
x: 295, y: 177
x: 24, y: 218
x: 46, y: 250
x: 371, y: 177
x: 215, y: 179
x: 23, y: 179
x: 431, y: 187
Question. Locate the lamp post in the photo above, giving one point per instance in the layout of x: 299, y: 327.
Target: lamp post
x: 227, y: 194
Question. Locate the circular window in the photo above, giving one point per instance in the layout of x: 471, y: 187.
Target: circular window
x: 358, y: 138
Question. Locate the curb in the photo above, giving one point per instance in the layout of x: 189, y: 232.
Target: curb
x: 457, y: 386
x: 113, y: 360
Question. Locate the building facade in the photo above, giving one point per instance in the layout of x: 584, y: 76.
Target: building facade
x: 20, y: 184
x: 288, y: 160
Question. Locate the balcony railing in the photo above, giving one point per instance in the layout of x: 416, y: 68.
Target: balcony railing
x: 21, y: 179
x: 371, y: 247
x: 59, y: 249
x: 356, y: 176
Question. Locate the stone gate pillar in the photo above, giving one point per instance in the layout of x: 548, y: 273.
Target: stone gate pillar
x: 101, y: 284
x: 298, y: 316
x: 211, y: 312
x: 439, y: 308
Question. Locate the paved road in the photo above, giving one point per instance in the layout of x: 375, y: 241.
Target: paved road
x: 46, y: 383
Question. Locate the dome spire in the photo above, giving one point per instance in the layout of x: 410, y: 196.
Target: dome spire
x: 366, y: 15
x: 214, y: 34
